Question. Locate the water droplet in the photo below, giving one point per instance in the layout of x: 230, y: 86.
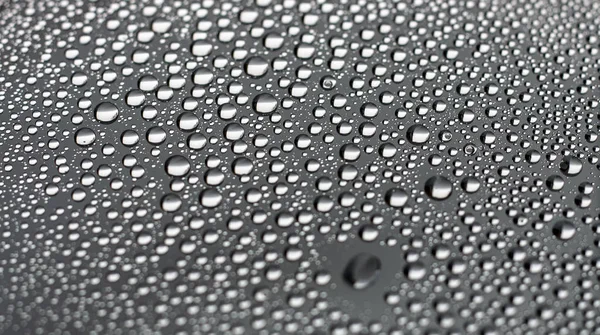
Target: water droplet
x: 417, y: 134
x: 265, y: 103
x: 362, y: 271
x: 106, y: 112
x: 177, y: 166
x: 564, y: 230
x: 438, y: 188
x: 85, y: 137
x: 571, y: 166
x: 396, y: 197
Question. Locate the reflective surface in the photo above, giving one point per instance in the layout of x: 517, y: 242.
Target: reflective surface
x: 299, y: 167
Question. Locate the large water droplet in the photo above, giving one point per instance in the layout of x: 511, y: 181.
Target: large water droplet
x: 362, y: 271
x: 177, y: 166
x: 417, y: 134
x: 564, y: 230
x: 396, y: 197
x: 256, y: 66
x: 438, y: 188
x: 106, y: 112
x: 265, y: 103
x: 85, y: 137
x: 571, y: 166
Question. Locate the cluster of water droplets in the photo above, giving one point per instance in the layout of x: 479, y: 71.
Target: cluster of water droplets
x: 310, y: 167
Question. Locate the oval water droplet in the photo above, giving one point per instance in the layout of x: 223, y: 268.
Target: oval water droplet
x: 362, y: 271
x: 438, y: 188
x: 106, y: 112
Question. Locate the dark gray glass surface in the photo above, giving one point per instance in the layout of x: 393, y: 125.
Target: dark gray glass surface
x: 299, y: 167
